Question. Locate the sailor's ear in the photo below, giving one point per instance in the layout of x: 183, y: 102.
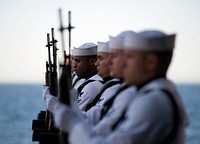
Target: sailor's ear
x: 151, y: 61
x: 92, y: 60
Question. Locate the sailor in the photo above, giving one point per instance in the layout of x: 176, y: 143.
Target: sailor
x: 76, y: 81
x: 115, y: 103
x: 103, y: 63
x: 85, y: 57
x: 156, y: 114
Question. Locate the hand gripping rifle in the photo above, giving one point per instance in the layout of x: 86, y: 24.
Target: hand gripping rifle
x: 65, y: 82
x: 51, y: 75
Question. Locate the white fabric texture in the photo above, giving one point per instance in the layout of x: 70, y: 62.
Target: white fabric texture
x: 49, y: 99
x: 45, y: 92
x: 120, y: 103
x: 78, y: 83
x: 85, y: 50
x: 51, y: 102
x: 93, y: 114
x: 89, y: 92
x: 103, y: 47
x: 118, y: 41
x: 64, y: 117
x: 148, y: 119
x: 155, y: 41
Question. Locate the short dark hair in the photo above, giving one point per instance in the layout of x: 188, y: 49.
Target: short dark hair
x: 164, y: 60
x: 92, y: 56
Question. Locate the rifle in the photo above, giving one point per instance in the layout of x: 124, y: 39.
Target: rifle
x: 65, y: 78
x: 42, y: 128
x: 50, y: 136
x: 41, y: 124
x: 65, y: 81
x: 53, y: 67
x: 53, y: 87
x: 47, y: 77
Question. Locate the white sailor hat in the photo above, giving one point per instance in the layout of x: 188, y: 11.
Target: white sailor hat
x: 117, y: 42
x: 86, y: 49
x: 150, y: 40
x: 103, y: 47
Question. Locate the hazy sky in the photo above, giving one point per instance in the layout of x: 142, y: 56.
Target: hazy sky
x: 25, y: 23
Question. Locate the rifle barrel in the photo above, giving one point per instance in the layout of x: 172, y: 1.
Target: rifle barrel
x: 54, y: 41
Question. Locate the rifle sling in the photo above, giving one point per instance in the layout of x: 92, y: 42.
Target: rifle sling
x: 96, y: 99
x: 171, y: 136
x: 109, y: 103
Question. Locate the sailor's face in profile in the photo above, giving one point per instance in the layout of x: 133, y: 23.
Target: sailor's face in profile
x: 81, y: 65
x: 117, y: 63
x: 136, y: 67
x: 102, y: 64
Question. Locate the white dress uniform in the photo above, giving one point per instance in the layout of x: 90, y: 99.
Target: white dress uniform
x: 86, y: 93
x: 89, y: 91
x: 148, y: 119
x: 76, y: 81
x: 120, y: 103
x: 155, y: 114
x: 94, y: 113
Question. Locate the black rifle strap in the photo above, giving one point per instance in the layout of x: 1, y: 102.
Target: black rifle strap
x: 171, y: 136
x: 109, y: 103
x: 83, y: 85
x: 96, y: 99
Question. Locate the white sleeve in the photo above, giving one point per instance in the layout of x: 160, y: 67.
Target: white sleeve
x: 84, y: 133
x: 147, y: 121
x: 87, y: 136
x: 104, y: 127
x: 93, y: 115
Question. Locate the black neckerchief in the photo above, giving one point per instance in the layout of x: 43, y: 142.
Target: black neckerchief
x: 106, y: 79
x: 90, y: 75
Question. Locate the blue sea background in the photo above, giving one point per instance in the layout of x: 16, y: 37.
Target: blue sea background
x: 20, y: 104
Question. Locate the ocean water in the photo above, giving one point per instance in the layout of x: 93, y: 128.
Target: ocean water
x: 20, y: 104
